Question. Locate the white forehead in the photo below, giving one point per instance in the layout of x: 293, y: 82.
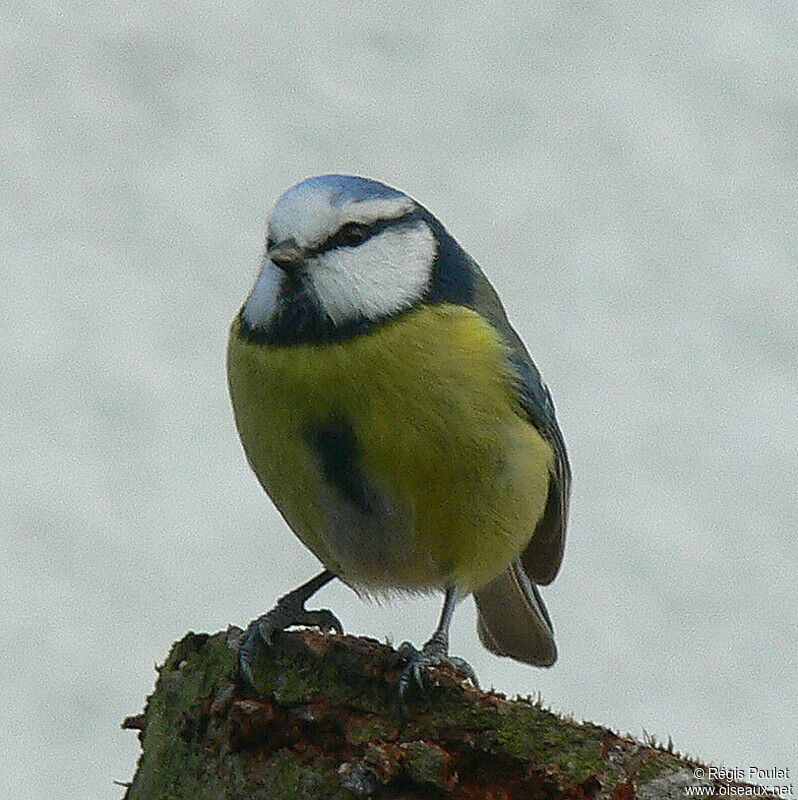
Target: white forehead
x: 316, y: 208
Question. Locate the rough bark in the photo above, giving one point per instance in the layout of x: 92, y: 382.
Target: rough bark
x: 325, y: 724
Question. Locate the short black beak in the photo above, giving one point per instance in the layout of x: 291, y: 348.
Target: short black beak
x: 287, y: 256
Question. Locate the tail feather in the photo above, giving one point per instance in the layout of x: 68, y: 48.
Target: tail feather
x: 513, y: 620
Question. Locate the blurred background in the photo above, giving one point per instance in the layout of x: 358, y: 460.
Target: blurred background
x: 626, y: 176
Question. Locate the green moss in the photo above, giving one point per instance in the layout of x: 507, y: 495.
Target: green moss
x: 369, y: 730
x: 531, y: 734
x: 286, y: 778
x: 657, y: 764
x: 425, y: 763
x: 175, y: 765
x: 172, y: 765
x: 195, y: 750
x: 297, y: 678
x: 526, y: 733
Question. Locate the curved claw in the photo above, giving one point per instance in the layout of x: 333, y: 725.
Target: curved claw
x: 246, y: 653
x: 412, y: 673
x: 419, y: 662
x: 462, y: 667
x: 321, y: 618
x: 278, y: 619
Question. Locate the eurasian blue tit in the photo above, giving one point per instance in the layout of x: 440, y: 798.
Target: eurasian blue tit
x: 397, y: 422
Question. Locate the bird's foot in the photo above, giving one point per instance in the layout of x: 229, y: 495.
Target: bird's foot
x: 418, y: 662
x: 288, y: 612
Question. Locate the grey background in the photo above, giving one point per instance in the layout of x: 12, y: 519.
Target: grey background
x: 626, y: 176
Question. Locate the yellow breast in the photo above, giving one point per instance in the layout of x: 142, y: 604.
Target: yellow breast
x: 439, y: 435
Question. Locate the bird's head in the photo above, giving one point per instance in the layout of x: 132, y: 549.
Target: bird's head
x: 341, y: 252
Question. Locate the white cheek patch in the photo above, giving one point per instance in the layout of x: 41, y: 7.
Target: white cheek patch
x: 262, y: 301
x: 383, y: 275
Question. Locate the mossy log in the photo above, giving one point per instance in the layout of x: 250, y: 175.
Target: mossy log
x: 325, y: 724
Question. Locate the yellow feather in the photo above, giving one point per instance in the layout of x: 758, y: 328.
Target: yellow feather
x: 429, y: 398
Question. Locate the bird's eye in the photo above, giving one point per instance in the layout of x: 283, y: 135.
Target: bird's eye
x: 352, y: 234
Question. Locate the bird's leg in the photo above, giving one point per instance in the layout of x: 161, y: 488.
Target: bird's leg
x: 290, y: 610
x: 434, y: 653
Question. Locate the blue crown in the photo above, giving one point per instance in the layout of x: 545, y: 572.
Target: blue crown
x: 350, y: 188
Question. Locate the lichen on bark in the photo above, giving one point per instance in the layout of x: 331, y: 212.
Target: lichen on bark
x: 325, y: 723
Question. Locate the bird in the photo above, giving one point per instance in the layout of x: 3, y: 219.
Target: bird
x: 398, y: 423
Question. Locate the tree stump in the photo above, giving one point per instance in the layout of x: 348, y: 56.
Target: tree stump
x: 326, y: 724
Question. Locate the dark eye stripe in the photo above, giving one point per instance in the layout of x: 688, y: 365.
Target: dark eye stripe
x: 350, y: 235
x: 353, y: 234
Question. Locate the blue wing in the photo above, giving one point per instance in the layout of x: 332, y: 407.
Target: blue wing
x: 543, y: 556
